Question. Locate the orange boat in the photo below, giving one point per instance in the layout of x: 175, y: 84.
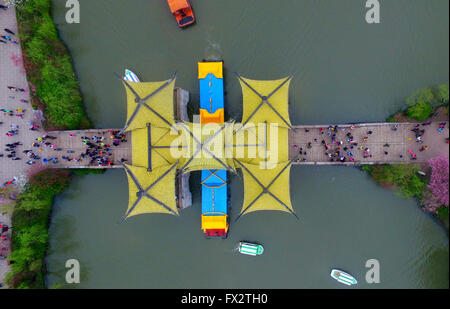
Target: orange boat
x: 182, y: 11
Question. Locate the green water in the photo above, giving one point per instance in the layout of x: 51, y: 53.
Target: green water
x: 347, y: 70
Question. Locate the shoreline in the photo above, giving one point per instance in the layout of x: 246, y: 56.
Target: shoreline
x: 49, y: 68
x: 439, y: 113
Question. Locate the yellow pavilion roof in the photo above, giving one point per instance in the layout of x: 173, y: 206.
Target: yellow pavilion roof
x: 149, y: 102
x: 205, y: 146
x: 153, y: 147
x: 160, y: 146
x: 151, y: 192
x: 266, y: 189
x: 265, y: 101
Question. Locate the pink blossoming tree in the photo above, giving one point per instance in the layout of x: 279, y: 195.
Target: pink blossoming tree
x: 438, y: 183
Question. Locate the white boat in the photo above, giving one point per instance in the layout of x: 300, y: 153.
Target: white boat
x: 250, y: 249
x: 343, y: 277
x: 131, y: 77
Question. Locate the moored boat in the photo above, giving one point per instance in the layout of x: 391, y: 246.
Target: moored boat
x: 182, y: 10
x: 343, y: 277
x: 250, y: 249
x: 131, y: 77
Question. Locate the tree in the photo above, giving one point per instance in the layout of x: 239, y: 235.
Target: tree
x: 15, y: 2
x: 424, y: 95
x: 439, y: 182
x: 421, y: 104
x: 420, y: 111
x: 401, y: 176
x: 442, y: 93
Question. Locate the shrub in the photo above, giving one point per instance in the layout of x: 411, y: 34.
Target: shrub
x: 422, y: 95
x: 49, y: 68
x: 403, y: 177
x: 420, y: 111
x: 439, y: 183
x: 30, y: 221
x: 442, y: 93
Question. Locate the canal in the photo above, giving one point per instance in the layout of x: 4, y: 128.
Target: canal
x: 347, y: 71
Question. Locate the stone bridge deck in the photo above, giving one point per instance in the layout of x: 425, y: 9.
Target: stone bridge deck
x: 402, y: 142
x: 72, y: 141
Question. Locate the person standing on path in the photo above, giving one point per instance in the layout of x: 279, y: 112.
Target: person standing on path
x: 9, y: 31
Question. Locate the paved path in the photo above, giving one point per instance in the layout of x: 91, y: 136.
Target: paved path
x: 11, y: 74
x: 372, y: 138
x: 73, y: 141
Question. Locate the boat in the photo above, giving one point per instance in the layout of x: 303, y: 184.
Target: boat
x: 182, y: 10
x: 343, y: 277
x: 250, y: 249
x: 214, y: 181
x: 131, y: 77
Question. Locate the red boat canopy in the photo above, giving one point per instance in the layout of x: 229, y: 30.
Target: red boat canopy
x: 176, y: 5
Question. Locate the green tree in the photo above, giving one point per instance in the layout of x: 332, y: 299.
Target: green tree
x: 420, y: 104
x: 420, y: 111
x: 442, y: 93
x: 422, y: 95
x: 29, y: 201
x: 402, y: 176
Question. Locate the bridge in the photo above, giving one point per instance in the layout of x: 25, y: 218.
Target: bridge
x: 308, y: 145
x: 370, y: 143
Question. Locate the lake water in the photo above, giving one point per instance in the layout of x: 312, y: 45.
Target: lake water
x: 347, y: 71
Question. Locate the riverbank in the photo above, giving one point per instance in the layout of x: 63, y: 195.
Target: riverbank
x: 428, y: 104
x: 30, y: 219
x: 50, y: 74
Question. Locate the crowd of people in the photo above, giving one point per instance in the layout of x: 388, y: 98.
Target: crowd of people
x: 340, y: 144
x: 97, y: 150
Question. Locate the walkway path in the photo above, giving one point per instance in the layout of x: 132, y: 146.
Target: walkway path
x: 12, y: 74
x: 72, y: 141
x: 375, y: 143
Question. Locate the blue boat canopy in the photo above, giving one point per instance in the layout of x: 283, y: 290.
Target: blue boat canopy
x: 214, y: 192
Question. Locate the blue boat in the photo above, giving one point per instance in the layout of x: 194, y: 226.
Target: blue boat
x: 214, y: 182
